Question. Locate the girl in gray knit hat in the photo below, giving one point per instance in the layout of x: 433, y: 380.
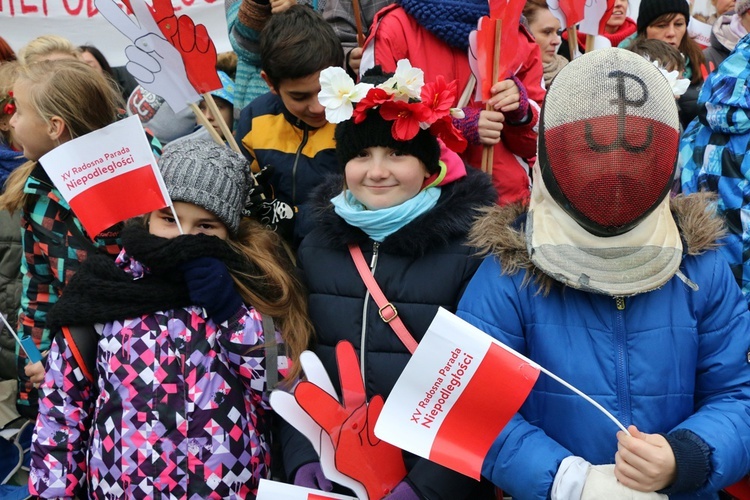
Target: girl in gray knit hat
x: 185, y: 355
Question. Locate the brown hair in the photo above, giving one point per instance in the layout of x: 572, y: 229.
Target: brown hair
x: 532, y: 7
x: 288, y: 306
x: 688, y: 47
x: 6, y: 53
x: 296, y: 43
x: 70, y: 90
x: 657, y: 50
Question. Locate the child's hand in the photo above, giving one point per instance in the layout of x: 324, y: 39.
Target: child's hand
x: 279, y: 6
x: 505, y: 96
x: 35, y: 371
x: 644, y: 462
x: 490, y: 127
x: 355, y: 59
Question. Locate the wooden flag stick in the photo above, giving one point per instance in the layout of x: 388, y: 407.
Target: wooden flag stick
x: 589, y: 43
x: 204, y: 121
x: 358, y: 23
x: 222, y: 124
x: 572, y: 41
x: 488, y: 152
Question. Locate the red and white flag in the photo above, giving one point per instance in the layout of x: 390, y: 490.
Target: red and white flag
x: 458, y: 391
x: 271, y: 490
x: 108, y: 175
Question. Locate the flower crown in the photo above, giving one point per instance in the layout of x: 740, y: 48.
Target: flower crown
x: 403, y: 99
x: 679, y: 85
x: 8, y: 103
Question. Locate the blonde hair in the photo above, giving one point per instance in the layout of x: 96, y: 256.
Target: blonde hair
x: 44, y: 46
x: 285, y: 300
x: 71, y: 90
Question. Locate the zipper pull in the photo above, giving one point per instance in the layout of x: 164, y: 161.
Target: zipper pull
x: 620, y: 303
x: 374, y: 254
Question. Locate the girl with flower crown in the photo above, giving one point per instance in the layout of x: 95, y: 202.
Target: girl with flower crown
x: 406, y: 200
x: 434, y: 36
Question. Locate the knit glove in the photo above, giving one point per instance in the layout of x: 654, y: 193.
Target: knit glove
x: 211, y: 286
x: 311, y: 476
x: 403, y: 491
x: 602, y: 483
x: 519, y: 116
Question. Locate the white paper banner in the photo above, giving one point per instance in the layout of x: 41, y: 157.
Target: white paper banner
x: 271, y: 490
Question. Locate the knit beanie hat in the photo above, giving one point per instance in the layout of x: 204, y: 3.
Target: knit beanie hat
x: 209, y: 175
x: 741, y: 7
x: 374, y: 131
x: 649, y: 10
x: 158, y: 117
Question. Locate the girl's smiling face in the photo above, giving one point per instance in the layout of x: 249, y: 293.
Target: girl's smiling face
x: 382, y: 177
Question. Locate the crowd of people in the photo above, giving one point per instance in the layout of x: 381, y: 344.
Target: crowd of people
x: 591, y: 214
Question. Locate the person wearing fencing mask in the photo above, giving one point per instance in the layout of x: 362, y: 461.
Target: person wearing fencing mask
x: 612, y: 285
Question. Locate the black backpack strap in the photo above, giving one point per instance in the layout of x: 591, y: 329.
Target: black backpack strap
x: 272, y: 353
x: 81, y: 238
x: 84, y: 343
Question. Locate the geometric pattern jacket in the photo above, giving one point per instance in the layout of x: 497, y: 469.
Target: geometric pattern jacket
x: 51, y: 256
x: 714, y: 155
x: 179, y: 410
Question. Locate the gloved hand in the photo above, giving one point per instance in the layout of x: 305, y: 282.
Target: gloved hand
x: 311, y: 476
x: 520, y: 114
x: 211, y: 286
x: 403, y: 491
x: 602, y: 483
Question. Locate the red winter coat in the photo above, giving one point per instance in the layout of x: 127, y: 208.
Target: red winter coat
x: 396, y: 35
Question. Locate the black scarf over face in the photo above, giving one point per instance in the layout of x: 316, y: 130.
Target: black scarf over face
x: 100, y: 291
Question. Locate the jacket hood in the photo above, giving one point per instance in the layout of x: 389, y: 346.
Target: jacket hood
x: 500, y: 231
x: 724, y: 103
x: 722, y: 37
x: 452, y: 216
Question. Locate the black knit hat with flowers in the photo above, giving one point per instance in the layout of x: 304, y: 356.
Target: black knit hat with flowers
x: 650, y: 10
x: 391, y: 115
x: 374, y: 131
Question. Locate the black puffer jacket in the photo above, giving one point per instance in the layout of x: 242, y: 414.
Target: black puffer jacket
x: 421, y: 267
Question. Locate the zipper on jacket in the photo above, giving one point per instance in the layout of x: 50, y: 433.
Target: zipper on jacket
x: 373, y: 264
x: 623, y: 369
x: 294, y: 167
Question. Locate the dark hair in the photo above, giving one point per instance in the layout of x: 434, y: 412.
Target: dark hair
x: 660, y: 51
x: 6, y: 53
x: 688, y: 47
x: 296, y: 43
x: 99, y: 58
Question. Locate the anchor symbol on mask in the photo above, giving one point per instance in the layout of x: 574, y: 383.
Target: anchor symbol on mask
x: 622, y: 102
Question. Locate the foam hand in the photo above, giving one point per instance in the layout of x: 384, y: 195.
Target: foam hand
x: 376, y: 464
x: 152, y: 60
x: 193, y: 43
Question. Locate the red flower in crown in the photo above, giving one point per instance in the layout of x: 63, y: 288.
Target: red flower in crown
x: 10, y: 105
x: 406, y: 117
x: 374, y: 98
x: 445, y: 130
x: 438, y: 97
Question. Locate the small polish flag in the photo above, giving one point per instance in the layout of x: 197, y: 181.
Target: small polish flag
x: 271, y: 490
x: 458, y: 391
x: 108, y: 175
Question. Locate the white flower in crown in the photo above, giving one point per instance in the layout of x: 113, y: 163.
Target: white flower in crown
x: 338, y: 93
x: 406, y: 82
x: 679, y: 85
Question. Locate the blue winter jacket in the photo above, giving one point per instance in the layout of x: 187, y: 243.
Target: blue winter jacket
x: 673, y: 358
x: 713, y: 154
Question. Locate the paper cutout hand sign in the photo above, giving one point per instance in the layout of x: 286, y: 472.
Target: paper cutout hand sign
x: 192, y: 41
x: 287, y: 407
x: 152, y: 60
x: 379, y: 466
